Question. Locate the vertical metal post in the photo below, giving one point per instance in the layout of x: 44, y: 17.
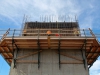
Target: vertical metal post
x: 13, y: 42
x: 85, y: 41
x: 38, y: 50
x: 83, y: 57
x: 84, y: 53
x: 13, y: 47
x: 59, y: 50
x: 59, y: 55
x: 15, y: 52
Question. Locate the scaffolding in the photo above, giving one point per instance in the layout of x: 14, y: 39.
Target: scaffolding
x: 38, y: 39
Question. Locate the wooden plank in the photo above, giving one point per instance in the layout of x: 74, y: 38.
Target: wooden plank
x: 74, y: 42
x: 3, y: 42
x: 24, y: 45
x: 19, y: 42
x: 28, y: 54
x: 5, y: 48
x: 1, y: 49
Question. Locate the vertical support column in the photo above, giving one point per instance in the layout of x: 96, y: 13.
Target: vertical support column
x: 84, y: 52
x: 13, y: 48
x: 59, y: 54
x: 83, y: 57
x: 59, y: 50
x: 13, y: 42
x: 15, y: 51
x: 38, y: 50
x: 85, y: 49
x: 15, y: 56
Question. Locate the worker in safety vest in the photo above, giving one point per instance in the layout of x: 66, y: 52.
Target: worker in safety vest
x: 24, y: 31
x: 48, y: 32
x: 76, y: 32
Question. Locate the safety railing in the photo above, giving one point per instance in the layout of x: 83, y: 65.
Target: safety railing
x: 2, y: 36
x: 50, y: 32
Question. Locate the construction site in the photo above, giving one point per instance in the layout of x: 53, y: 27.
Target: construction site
x: 49, y: 48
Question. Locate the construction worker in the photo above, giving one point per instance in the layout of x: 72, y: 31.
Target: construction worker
x: 24, y: 32
x: 57, y: 34
x: 48, y: 32
x: 76, y: 32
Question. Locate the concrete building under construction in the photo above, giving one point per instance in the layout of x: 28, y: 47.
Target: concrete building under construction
x: 50, y: 48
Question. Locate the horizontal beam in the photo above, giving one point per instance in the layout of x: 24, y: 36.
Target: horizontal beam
x: 45, y: 42
x: 26, y: 61
x: 71, y: 62
x: 5, y: 52
x: 71, y: 56
x: 93, y: 52
x: 91, y: 58
x: 8, y: 58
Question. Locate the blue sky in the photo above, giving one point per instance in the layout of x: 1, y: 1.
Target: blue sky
x: 12, y: 12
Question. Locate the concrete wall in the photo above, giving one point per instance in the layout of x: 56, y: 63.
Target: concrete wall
x: 49, y: 64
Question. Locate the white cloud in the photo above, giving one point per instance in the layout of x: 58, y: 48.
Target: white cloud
x: 36, y: 8
x: 17, y: 8
x: 96, y: 65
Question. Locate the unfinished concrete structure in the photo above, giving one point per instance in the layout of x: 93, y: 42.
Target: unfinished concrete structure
x: 63, y: 52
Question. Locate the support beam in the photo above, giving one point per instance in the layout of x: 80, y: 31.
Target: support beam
x: 93, y: 55
x: 73, y: 57
x: 5, y: 52
x: 59, y: 50
x: 90, y: 51
x: 15, y: 51
x: 38, y: 43
x: 84, y: 52
x: 26, y: 61
x: 71, y: 62
x: 8, y: 58
x: 28, y: 54
x: 94, y: 52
